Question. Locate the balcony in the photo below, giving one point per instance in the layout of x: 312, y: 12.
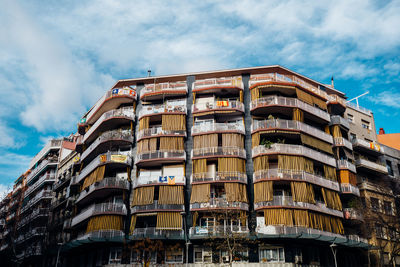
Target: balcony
x: 123, y: 158
x: 111, y: 100
x: 109, y: 120
x: 158, y: 131
x: 98, y: 189
x: 339, y: 120
x: 218, y: 83
x: 42, y: 166
x: 295, y: 175
x: 98, y: 209
x: 61, y: 182
x: 219, y: 203
x: 44, y: 194
x: 353, y: 214
x: 290, y: 103
x: 297, y: 150
x: 372, y: 148
x: 38, y: 212
x: 157, y: 207
x: 54, y: 144
x: 341, y: 141
x: 102, y: 236
x: 287, y: 202
x: 217, y: 231
x: 46, y: 178
x: 150, y: 110
x: 159, y: 90
x: 161, y: 156
x: 218, y: 106
x: 335, y: 99
x: 291, y: 125
x: 38, y: 231
x: 155, y: 180
x: 357, y: 107
x: 219, y: 177
x: 375, y: 188
x: 343, y: 164
x: 219, y: 152
x: 153, y: 233
x: 349, y: 189
x: 372, y: 166
x: 118, y: 137
x: 218, y: 127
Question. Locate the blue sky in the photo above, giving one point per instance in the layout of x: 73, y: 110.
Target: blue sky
x: 58, y: 57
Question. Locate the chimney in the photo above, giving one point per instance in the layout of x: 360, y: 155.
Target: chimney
x: 332, y: 82
x: 381, y: 131
x: 148, y: 73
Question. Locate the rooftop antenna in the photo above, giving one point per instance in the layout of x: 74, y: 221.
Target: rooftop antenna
x: 332, y: 82
x: 357, y: 97
x: 148, y: 73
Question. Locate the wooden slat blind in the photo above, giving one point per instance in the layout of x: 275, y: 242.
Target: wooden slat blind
x: 229, y: 140
x: 200, y: 193
x: 231, y: 164
x: 261, y: 163
x: 255, y: 93
x: 207, y: 140
x: 147, y: 145
x: 144, y: 123
x: 332, y: 199
x: 133, y: 224
x: 235, y: 192
x: 298, y: 115
x: 171, y: 194
x: 255, y: 139
x: 173, y: 122
x: 302, y: 192
x: 143, y: 196
x: 316, y: 143
x: 169, y: 221
x: 94, y: 176
x: 105, y: 222
x: 171, y: 143
x: 330, y: 173
x: 199, y: 166
x: 263, y: 191
x: 278, y: 217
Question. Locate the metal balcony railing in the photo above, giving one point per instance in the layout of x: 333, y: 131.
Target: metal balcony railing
x: 223, y: 82
x: 108, y: 182
x: 96, y: 209
x: 41, y: 195
x: 35, y: 213
x: 341, y: 141
x: 168, y: 87
x: 339, y: 120
x: 219, y: 176
x: 102, y: 234
x: 287, y: 201
x: 353, y: 214
x: 52, y: 144
x: 338, y: 99
x: 277, y: 230
x: 219, y: 151
x: 215, y: 203
x: 31, y: 233
x: 345, y: 164
x: 39, y: 168
x: 289, y: 102
x: 152, y: 232
x: 349, y: 189
x: 357, y: 107
x: 156, y: 206
x: 296, y: 150
x: 156, y: 131
x: 146, y: 180
x: 222, y: 230
x: 368, y: 145
x: 161, y: 154
x: 48, y: 177
x: 162, y: 108
x: 218, y: 105
x: 273, y: 174
x: 378, y: 167
x: 218, y: 127
x: 292, y: 125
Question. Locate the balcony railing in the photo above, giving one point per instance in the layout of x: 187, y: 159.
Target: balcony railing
x: 146, y: 180
x: 109, y: 182
x: 219, y: 177
x: 378, y: 167
x: 102, y: 234
x: 41, y: 195
x: 338, y: 99
x: 349, y: 189
x: 357, y: 107
x: 273, y: 174
x: 152, y: 232
x: 31, y: 233
x: 339, y: 120
x: 162, y: 108
x: 156, y: 131
x: 109, y: 157
x: 35, y: 213
x: 39, y: 168
x: 289, y: 102
x: 218, y: 105
x: 155, y: 206
x: 353, y: 214
x: 48, y: 177
x: 216, y: 203
x: 277, y: 230
x: 223, y: 230
x: 292, y: 125
x: 161, y: 154
x: 341, y: 141
x: 52, y: 144
x: 168, y: 87
x: 125, y: 112
x: 96, y: 209
x: 218, y: 127
x: 219, y: 151
x: 224, y: 82
x: 287, y: 201
x: 373, y: 146
x: 296, y: 150
x: 345, y: 164
x: 125, y: 135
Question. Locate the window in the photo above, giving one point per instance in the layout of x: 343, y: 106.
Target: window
x: 353, y: 136
x: 174, y: 256
x: 272, y: 255
x: 202, y: 255
x: 138, y: 256
x: 388, y: 207
x: 115, y: 255
x: 374, y: 204
x: 365, y: 124
x: 389, y: 167
x: 350, y: 118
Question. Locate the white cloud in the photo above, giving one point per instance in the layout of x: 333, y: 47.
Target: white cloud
x: 10, y: 138
x: 4, y: 190
x: 386, y: 98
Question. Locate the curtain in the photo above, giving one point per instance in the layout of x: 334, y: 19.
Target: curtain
x: 173, y: 122
x: 278, y: 217
x: 231, y: 165
x: 144, y: 123
x: 233, y: 140
x: 207, y: 140
x: 105, y: 222
x: 94, y: 176
x: 171, y: 143
x: 235, y: 192
x: 331, y: 199
x: 261, y: 163
x: 133, y: 224
x: 302, y: 192
x: 255, y: 139
x: 200, y: 193
x: 169, y: 221
x: 143, y: 196
x: 171, y: 194
x: 298, y: 115
x: 330, y: 173
x: 318, y: 144
x: 263, y: 191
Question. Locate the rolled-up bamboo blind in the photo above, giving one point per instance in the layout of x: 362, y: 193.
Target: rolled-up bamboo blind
x: 327, y: 129
x: 169, y: 221
x: 144, y: 123
x: 199, y: 166
x: 336, y: 131
x: 330, y: 173
x: 231, y: 165
x: 94, y: 176
x: 263, y: 191
x: 235, y: 192
x: 195, y: 216
x: 318, y: 144
x: 298, y: 115
x: 255, y: 139
x: 302, y: 192
x: 347, y: 177
x: 241, y: 96
x: 171, y: 143
x: 294, y: 163
x: 232, y: 140
x: 261, y: 163
x: 308, y: 165
x: 326, y: 223
x: 171, y: 194
x: 300, y: 218
x: 255, y: 93
x: 105, y: 222
x: 173, y: 122
x: 133, y: 224
x: 200, y: 193
x: 331, y: 199
x: 207, y: 140
x: 147, y: 145
x: 278, y: 217
x: 243, y: 217
x: 303, y: 96
x: 143, y: 196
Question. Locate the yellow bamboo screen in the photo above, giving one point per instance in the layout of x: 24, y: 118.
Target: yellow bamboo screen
x: 325, y: 223
x: 347, y: 177
x: 255, y: 139
x: 330, y: 173
x: 302, y: 192
x: 143, y: 196
x: 298, y: 115
x: 261, y: 163
x: 94, y: 176
x: 336, y: 131
x: 169, y: 221
x: 295, y: 163
x: 147, y: 145
x: 171, y: 194
x: 144, y: 123
x: 207, y: 140
x: 199, y: 166
x: 332, y: 199
x: 337, y: 225
x: 243, y: 218
x: 105, y: 222
x: 241, y: 96
x: 255, y: 93
x: 278, y: 217
x: 231, y: 165
x: 200, y: 193
x: 308, y: 165
x: 300, y: 218
x: 133, y: 224
x: 327, y: 129
x: 173, y: 122
x: 195, y: 216
x: 310, y: 99
x: 235, y: 192
x: 171, y: 143
x: 232, y: 140
x: 314, y: 142
x: 263, y: 191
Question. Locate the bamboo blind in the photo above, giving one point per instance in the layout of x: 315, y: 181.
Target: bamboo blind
x: 336, y: 131
x: 302, y: 192
x: 298, y: 115
x: 261, y: 163
x: 295, y: 163
x: 347, y: 177
x: 171, y: 143
x: 169, y: 221
x: 143, y: 196
x: 144, y: 123
x: 331, y: 199
x: 133, y: 224
x: 195, y: 216
x: 263, y: 191
x: 243, y: 217
x: 278, y: 217
x: 229, y: 140
x: 330, y: 173
x: 314, y: 142
x: 231, y: 164
x: 200, y: 193
x: 255, y: 93
x: 255, y: 139
x: 171, y: 194
x: 199, y: 166
x: 300, y: 218
x: 325, y: 223
x: 94, y: 176
x: 173, y: 122
x: 235, y: 192
x: 241, y: 96
x: 147, y: 145
x: 105, y: 222
x: 207, y: 140
x: 327, y: 129
x: 310, y: 99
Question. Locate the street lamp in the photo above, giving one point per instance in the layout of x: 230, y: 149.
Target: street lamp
x: 187, y: 242
x: 333, y: 246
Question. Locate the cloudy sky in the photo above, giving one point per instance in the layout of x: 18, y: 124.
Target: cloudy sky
x: 58, y: 57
